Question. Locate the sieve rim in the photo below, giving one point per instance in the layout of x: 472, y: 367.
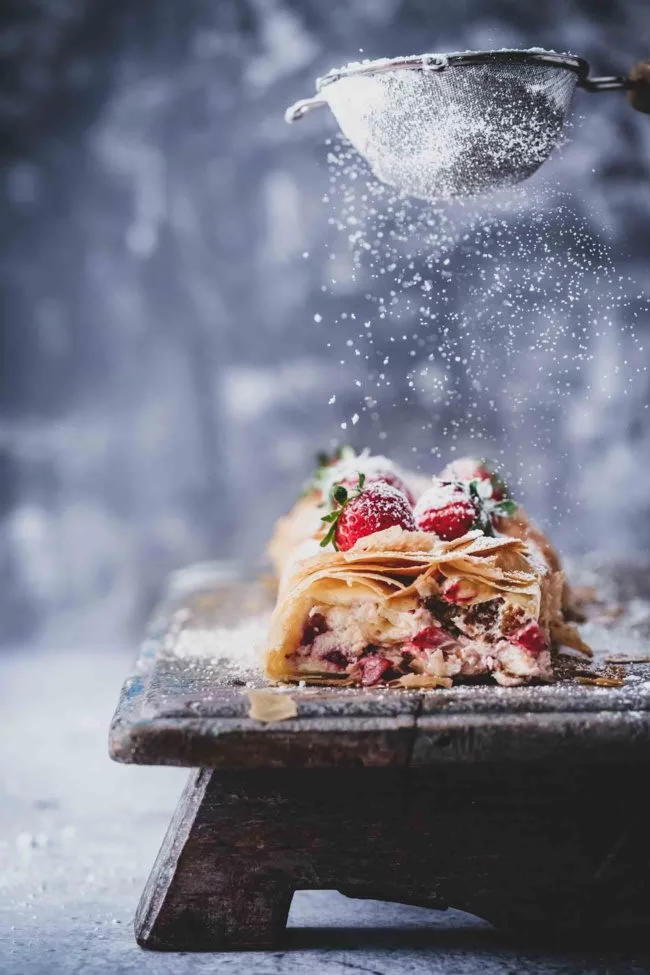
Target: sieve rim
x: 439, y: 62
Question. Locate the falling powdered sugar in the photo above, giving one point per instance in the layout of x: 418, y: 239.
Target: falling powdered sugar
x: 494, y: 327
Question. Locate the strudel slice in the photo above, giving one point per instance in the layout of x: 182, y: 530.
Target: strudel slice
x: 404, y: 607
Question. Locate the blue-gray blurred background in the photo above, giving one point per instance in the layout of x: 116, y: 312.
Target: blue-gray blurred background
x: 166, y: 247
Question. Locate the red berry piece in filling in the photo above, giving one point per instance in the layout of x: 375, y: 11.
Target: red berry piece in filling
x: 447, y: 510
x: 371, y: 509
x: 315, y: 625
x: 429, y: 638
x: 373, y: 669
x: 460, y: 592
x: 530, y: 638
x: 337, y: 658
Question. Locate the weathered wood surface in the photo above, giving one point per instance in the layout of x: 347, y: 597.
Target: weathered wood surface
x: 535, y: 849
x: 520, y: 805
x: 184, y: 710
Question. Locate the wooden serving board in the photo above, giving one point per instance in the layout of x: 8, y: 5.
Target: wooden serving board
x: 522, y: 805
x: 184, y: 706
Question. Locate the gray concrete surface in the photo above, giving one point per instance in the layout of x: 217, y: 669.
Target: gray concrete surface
x: 78, y: 835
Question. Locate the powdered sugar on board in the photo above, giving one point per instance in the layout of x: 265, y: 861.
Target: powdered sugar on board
x: 216, y: 615
x: 235, y: 650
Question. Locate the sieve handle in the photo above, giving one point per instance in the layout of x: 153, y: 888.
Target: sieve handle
x: 637, y: 85
x: 298, y: 109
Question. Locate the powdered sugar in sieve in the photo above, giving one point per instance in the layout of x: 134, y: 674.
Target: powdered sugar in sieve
x: 441, y: 126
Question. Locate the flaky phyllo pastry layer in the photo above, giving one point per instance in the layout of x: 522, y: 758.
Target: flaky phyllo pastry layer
x: 405, y: 608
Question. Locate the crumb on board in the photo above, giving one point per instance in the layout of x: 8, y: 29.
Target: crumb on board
x: 601, y: 681
x: 270, y: 705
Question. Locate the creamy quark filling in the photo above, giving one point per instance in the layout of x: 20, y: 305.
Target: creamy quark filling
x: 373, y: 643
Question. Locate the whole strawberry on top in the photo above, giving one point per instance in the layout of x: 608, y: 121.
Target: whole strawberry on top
x: 349, y: 465
x: 474, y: 469
x: 364, y: 510
x: 452, y: 508
x: 446, y: 509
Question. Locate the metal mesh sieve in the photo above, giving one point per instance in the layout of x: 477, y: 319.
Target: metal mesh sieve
x: 441, y: 126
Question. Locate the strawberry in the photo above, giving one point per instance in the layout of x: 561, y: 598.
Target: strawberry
x: 346, y: 469
x: 373, y: 669
x: 365, y: 511
x: 472, y: 469
x: 460, y: 592
x: 315, y: 625
x: 429, y: 638
x: 530, y: 638
x: 337, y: 658
x: 447, y: 510
x: 389, y: 478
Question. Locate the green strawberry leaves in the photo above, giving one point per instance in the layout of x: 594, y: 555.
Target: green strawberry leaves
x: 331, y: 532
x: 339, y: 498
x: 487, y: 509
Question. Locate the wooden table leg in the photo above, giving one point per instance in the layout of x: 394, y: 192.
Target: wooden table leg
x: 529, y: 848
x: 197, y: 899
